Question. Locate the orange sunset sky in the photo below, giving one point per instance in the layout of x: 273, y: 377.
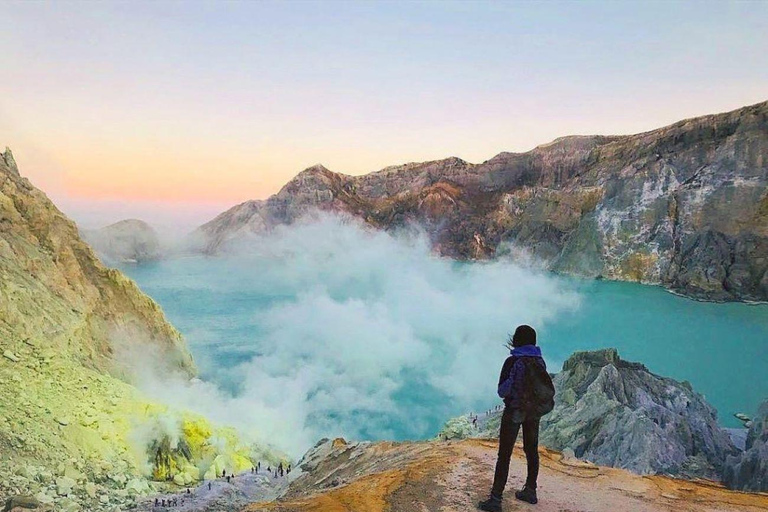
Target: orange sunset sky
x: 172, y: 112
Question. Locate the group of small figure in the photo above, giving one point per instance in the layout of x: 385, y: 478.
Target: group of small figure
x: 279, y: 471
x: 170, y: 502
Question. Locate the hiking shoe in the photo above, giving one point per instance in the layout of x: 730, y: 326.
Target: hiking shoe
x: 528, y: 495
x: 492, y: 504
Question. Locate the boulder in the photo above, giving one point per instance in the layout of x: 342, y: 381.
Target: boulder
x: 67, y: 505
x: 748, y: 471
x: 64, y: 485
x: 90, y: 489
x: 21, y: 502
x: 11, y: 356
x: 137, y: 486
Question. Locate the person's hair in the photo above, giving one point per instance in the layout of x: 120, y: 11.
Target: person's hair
x: 524, y: 335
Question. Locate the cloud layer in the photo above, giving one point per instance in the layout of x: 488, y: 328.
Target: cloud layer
x: 327, y: 328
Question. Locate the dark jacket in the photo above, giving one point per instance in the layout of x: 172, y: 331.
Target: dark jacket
x: 512, y: 378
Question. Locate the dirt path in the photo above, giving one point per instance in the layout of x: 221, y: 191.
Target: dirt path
x: 454, y: 476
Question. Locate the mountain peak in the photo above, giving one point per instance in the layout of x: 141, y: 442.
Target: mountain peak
x: 316, y: 168
x: 9, y: 161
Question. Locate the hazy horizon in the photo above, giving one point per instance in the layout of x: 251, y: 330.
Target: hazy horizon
x: 174, y: 112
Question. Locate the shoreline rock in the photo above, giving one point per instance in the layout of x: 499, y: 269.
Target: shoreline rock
x: 748, y: 471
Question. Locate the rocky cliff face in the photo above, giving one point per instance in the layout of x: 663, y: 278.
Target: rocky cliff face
x: 683, y: 206
x: 616, y: 413
x: 130, y: 240
x: 73, y: 436
x: 56, y: 294
x: 749, y: 470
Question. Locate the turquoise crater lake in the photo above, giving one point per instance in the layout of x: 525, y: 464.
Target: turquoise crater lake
x: 235, y: 314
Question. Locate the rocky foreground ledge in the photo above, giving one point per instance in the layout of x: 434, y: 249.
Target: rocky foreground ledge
x: 452, y: 476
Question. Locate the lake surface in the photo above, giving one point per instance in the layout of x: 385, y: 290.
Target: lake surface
x: 342, y: 343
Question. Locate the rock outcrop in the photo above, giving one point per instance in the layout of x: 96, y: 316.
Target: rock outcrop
x: 616, y: 413
x: 127, y: 241
x: 748, y: 471
x: 683, y: 206
x: 337, y: 476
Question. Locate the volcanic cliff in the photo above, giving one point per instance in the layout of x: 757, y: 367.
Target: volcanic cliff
x: 74, y: 433
x: 684, y: 206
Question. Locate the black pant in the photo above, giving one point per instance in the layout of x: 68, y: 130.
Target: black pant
x: 507, y: 438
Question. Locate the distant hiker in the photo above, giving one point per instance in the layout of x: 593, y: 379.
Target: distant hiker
x: 188, y: 491
x: 228, y: 477
x: 163, y: 502
x: 528, y: 394
x: 209, y: 486
x: 223, y: 473
x: 157, y: 502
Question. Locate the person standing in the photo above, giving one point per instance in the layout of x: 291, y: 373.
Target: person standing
x: 528, y: 393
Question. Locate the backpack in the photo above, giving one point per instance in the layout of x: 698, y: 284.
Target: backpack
x: 539, y: 396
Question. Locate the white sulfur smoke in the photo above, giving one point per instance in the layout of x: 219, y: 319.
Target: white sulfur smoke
x: 329, y: 328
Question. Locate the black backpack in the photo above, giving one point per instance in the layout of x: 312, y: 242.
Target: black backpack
x: 539, y: 396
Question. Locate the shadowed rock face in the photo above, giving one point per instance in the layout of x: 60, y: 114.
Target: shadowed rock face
x: 684, y: 206
x: 749, y: 470
x: 130, y: 240
x: 616, y: 413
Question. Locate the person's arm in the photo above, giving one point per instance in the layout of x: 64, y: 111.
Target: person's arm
x: 517, y: 378
x: 505, y: 380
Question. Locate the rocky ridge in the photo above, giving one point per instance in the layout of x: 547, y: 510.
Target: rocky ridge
x: 684, y: 206
x: 616, y: 413
x: 126, y: 241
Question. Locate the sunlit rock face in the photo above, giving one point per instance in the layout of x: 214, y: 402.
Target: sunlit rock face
x: 56, y: 294
x: 126, y: 241
x: 749, y: 470
x: 683, y: 206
